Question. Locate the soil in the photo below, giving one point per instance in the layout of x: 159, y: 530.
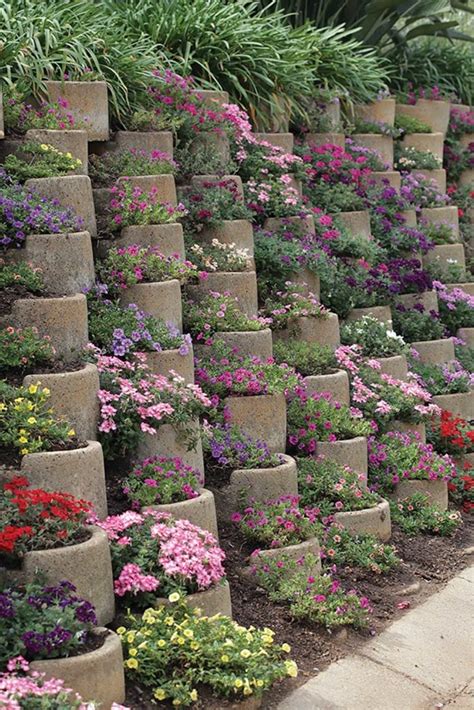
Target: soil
x: 13, y: 293
x: 15, y: 377
x: 115, y: 472
x: 11, y: 459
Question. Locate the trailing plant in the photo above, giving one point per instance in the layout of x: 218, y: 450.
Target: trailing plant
x: 442, y: 378
x: 20, y: 275
x: 286, y: 307
x: 160, y: 480
x: 23, y: 349
x: 409, y: 124
x: 273, y: 198
x: 226, y: 448
x: 21, y: 117
x: 364, y: 551
x: 415, y: 515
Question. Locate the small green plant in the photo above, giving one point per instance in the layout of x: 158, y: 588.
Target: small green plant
x: 408, y: 124
x: 416, y: 516
x: 439, y: 233
x: 377, y: 127
x: 160, y: 480
x: 211, y: 203
x: 307, y: 358
x: 365, y: 551
x: 132, y: 206
x: 20, y: 275
x: 41, y: 161
x: 415, y: 325
x: 410, y: 158
x: 106, y: 168
x: 446, y: 378
x: 374, y: 337
x: 334, y: 198
x: 23, y: 349
x: 217, y: 313
x: 216, y: 256
x: 286, y: 307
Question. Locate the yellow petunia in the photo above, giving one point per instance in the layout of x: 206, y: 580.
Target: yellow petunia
x: 31, y: 420
x: 71, y: 432
x: 131, y: 663
x: 161, y: 643
x: 22, y: 440
x: 32, y: 389
x: 174, y: 597
x: 132, y: 651
x: 225, y: 658
x: 245, y: 653
x: 121, y: 630
x: 193, y: 695
x: 285, y: 647
x: 159, y: 694
x: 291, y: 669
x: 238, y: 683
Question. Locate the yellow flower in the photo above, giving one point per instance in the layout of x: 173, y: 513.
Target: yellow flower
x: 31, y: 420
x: 32, y: 389
x: 71, y: 432
x: 176, y: 702
x: 259, y: 683
x: 245, y: 653
x: 46, y: 390
x: 225, y: 658
x: 267, y: 639
x: 69, y: 155
x: 2, y: 407
x: 180, y: 640
x: 131, y: 637
x: 169, y: 621
x: 238, y: 683
x: 44, y: 147
x: 159, y: 694
x: 194, y: 645
x: 132, y: 651
x: 174, y: 597
x: 131, y: 663
x: 247, y: 690
x: 193, y: 695
x: 22, y: 440
x: 161, y: 643
x: 291, y: 669
x: 188, y: 633
x: 121, y: 630
x: 285, y: 647
x: 23, y: 452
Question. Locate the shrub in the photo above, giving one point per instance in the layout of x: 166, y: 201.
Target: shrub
x: 416, y: 324
x: 374, y: 338
x: 107, y: 168
x: 22, y: 349
x: 410, y: 158
x: 415, y: 515
x: 41, y: 161
x: 132, y: 206
x: 216, y: 256
x: 306, y: 358
x: 409, y: 124
x: 160, y: 480
x: 211, y: 203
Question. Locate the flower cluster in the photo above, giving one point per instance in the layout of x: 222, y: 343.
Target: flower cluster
x: 420, y: 192
x: 212, y: 203
x: 132, y: 206
x: 410, y: 158
x: 160, y: 480
x: 227, y: 447
x: 444, y: 378
x: 218, y: 313
x: 412, y: 93
x: 456, y: 308
x: 41, y: 161
x: 417, y: 324
x: 292, y: 304
x: 20, y: 117
x: 415, y: 515
x: 451, y: 435
x: 374, y: 338
x: 107, y: 168
x: 216, y: 256
x: 273, y: 198
x: 153, y: 553
x: 23, y: 349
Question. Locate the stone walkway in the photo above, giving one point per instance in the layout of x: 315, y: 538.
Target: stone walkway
x: 422, y: 661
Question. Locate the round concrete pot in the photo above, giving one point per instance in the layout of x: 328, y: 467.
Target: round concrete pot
x: 161, y: 299
x: 337, y: 383
x: 308, y: 280
x: 312, y: 330
x: 64, y: 320
x: 230, y: 231
x: 242, y: 285
x: 372, y: 521
x: 171, y: 441
x: 442, y: 215
x: 211, y: 98
x: 198, y: 180
x: 218, y: 144
x: 215, y: 600
x: 71, y: 191
x: 382, y: 111
x: 262, y: 417
x: 386, y: 177
x: 79, y: 564
x: 427, y: 142
x: 87, y: 101
x: 167, y: 238
x: 461, y: 404
x: 381, y: 313
x: 164, y: 184
x: 66, y: 261
x: 96, y: 676
x: 433, y: 113
x: 200, y: 511
x: 466, y: 139
x: 305, y: 224
x: 466, y: 178
x: 338, y: 139
x: 73, y: 396
x: 357, y: 223
x: 79, y: 472
x: 428, y: 300
x: 410, y: 218
x: 434, y: 352
x: 438, y: 175
x: 261, y: 484
x: 291, y: 552
x: 383, y: 145
x: 466, y: 334
x: 249, y: 342
x: 285, y: 141
x: 347, y: 452
x: 145, y: 140
x: 161, y: 363
x: 445, y: 254
x: 436, y: 490
x: 408, y: 428
x: 395, y: 366
x: 67, y: 141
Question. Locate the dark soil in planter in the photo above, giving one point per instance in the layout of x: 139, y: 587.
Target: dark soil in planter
x: 9, y: 295
x: 10, y: 458
x: 15, y: 377
x: 115, y: 472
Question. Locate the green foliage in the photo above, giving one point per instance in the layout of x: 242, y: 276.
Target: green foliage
x: 414, y: 326
x: 363, y: 550
x: 39, y: 160
x: 416, y: 515
x: 106, y: 168
x: 21, y: 274
x: 23, y: 349
x: 410, y: 158
x: 409, y: 124
x: 307, y: 358
x: 373, y: 336
x: 216, y: 313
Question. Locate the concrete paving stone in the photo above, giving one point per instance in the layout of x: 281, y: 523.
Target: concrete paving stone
x: 468, y: 574
x: 356, y: 683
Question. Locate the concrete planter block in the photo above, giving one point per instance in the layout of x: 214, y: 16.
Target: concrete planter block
x: 427, y: 142
x: 215, y: 600
x: 408, y: 428
x: 87, y: 102
x: 428, y: 299
x: 240, y: 284
x: 74, y: 142
x: 306, y: 224
x: 172, y: 441
x: 468, y: 287
x: 78, y: 564
x: 410, y: 218
x: 466, y: 334
x: 145, y: 140
x: 285, y: 141
x: 74, y: 191
x: 230, y: 231
x: 383, y: 145
x: 261, y: 484
x: 438, y: 175
x: 66, y: 260
x: 382, y: 313
x: 338, y: 139
x: 168, y: 238
x: 434, y: 113
x: 164, y: 184
x: 466, y: 139
x: 214, y: 142
x: 249, y: 342
x: 357, y: 223
x: 292, y: 552
x: 445, y: 254
x: 312, y: 330
x: 373, y: 521
x: 386, y: 177
x: 212, y: 98
x: 262, y: 417
x: 95, y: 676
x: 434, y: 352
x: 347, y: 452
x: 442, y: 215
x: 200, y: 511
x: 73, y: 397
x: 79, y: 472
x: 337, y: 383
x: 63, y: 319
x: 382, y: 111
x: 461, y: 404
x: 396, y: 366
x: 466, y: 178
x: 436, y: 490
x: 308, y: 279
x: 198, y: 180
x: 160, y: 363
x: 161, y: 299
